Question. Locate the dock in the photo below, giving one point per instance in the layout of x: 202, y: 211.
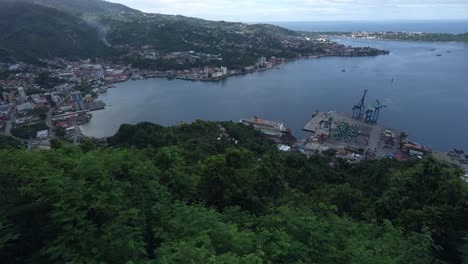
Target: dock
x: 340, y: 131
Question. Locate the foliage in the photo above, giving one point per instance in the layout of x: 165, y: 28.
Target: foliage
x: 28, y: 131
x: 180, y: 195
x: 60, y: 132
x: 9, y: 143
x: 85, y: 6
x: 28, y: 32
x: 46, y: 81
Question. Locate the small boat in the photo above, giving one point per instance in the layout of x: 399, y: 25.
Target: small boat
x: 343, y: 70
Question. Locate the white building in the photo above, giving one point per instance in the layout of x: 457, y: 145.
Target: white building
x: 284, y: 148
x: 43, y: 134
x: 25, y: 106
x: 216, y: 74
x: 21, y: 92
x: 224, y: 70
x: 262, y: 61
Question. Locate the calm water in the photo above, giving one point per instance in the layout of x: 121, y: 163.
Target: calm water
x: 428, y: 97
x: 430, y: 26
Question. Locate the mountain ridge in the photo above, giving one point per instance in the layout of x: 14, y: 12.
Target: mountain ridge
x: 98, y: 29
x: 83, y: 6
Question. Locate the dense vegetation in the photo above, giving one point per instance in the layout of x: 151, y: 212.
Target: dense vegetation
x: 446, y: 37
x: 9, y: 143
x: 238, y: 44
x: 28, y: 131
x: 85, y: 6
x: 28, y: 32
x: 222, y: 193
x: 31, y: 29
x: 45, y: 80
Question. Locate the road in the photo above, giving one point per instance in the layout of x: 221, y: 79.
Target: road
x: 49, y: 123
x: 9, y: 123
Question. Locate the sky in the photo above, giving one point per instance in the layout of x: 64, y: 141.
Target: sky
x: 306, y: 10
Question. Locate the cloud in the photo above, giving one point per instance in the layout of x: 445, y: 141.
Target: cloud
x: 306, y: 10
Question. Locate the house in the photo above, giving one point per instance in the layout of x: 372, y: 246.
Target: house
x: 25, y: 106
x: 284, y: 148
x: 43, y: 134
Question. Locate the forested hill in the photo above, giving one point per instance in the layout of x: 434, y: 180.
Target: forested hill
x: 96, y: 7
x: 95, y: 28
x: 221, y: 193
x: 29, y: 31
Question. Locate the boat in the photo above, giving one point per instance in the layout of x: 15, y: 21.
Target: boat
x: 343, y: 70
x: 315, y: 113
x: 266, y: 126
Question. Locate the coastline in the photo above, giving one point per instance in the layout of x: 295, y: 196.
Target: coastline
x: 271, y: 75
x: 240, y: 73
x: 398, y: 40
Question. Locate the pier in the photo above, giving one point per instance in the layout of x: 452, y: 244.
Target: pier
x: 335, y: 130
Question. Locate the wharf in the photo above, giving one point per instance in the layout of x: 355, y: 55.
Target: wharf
x: 368, y: 138
x: 96, y: 105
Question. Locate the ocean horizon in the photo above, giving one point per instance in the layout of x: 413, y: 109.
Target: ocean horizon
x: 427, y: 26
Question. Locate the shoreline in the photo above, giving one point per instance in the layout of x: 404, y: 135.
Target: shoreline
x: 399, y: 40
x: 225, y: 77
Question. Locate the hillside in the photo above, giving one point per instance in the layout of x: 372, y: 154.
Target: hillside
x: 82, y: 7
x: 181, y: 195
x: 95, y: 28
x: 238, y: 44
x: 30, y: 31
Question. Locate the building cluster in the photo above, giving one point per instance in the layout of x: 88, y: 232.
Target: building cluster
x: 380, y: 35
x: 62, y: 102
x: 69, y: 89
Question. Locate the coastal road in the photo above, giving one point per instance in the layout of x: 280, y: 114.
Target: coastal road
x: 49, y: 123
x: 9, y: 123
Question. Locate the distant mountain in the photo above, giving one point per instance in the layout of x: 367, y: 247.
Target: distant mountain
x: 29, y: 31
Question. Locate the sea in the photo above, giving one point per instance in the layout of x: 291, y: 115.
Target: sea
x: 427, y: 26
x: 424, y: 85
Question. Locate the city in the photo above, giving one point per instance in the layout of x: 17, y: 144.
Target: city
x: 232, y: 132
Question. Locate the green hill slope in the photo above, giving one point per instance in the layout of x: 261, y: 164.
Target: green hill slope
x: 84, y: 6
x: 181, y: 195
x: 31, y: 31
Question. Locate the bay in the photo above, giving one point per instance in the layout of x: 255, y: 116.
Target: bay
x: 426, y: 94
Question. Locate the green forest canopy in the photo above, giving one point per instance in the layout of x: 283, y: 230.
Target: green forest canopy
x: 222, y: 193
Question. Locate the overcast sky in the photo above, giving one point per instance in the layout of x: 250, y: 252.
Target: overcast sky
x: 306, y: 10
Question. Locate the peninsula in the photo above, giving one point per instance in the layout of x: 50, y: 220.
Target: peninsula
x: 406, y: 36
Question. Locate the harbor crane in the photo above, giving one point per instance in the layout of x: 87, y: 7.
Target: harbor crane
x: 373, y: 112
x: 358, y: 110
